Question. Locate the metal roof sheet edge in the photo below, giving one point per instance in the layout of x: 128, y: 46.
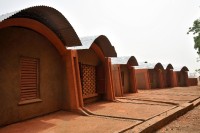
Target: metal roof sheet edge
x: 55, y: 20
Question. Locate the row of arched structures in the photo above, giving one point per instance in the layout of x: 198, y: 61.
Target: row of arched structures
x: 46, y: 67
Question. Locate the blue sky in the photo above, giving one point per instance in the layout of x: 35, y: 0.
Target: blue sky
x: 150, y: 30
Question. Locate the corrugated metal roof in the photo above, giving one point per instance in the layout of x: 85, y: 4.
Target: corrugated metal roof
x: 140, y: 67
x: 145, y: 65
x: 165, y: 66
x: 120, y: 60
x: 101, y: 40
x: 177, y: 68
x: 51, y: 18
x: 131, y: 60
x: 7, y: 15
x: 86, y: 43
x: 184, y: 68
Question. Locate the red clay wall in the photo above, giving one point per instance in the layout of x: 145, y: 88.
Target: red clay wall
x: 126, y: 83
x: 175, y: 83
x: 168, y: 78
x: 104, y: 82
x: 165, y: 78
x: 72, y: 94
x: 156, y: 78
x: 182, y: 78
x: 117, y: 84
x: 128, y: 77
x: 153, y: 79
x: 16, y: 42
x: 142, y: 79
x: 192, y: 81
x: 133, y: 85
x: 88, y: 66
x: 88, y: 56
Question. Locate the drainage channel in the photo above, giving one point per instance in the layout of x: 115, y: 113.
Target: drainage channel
x: 194, y: 99
x: 151, y: 101
x: 147, y: 120
x: 143, y: 103
x: 163, y: 113
x: 116, y: 117
x: 176, y: 94
x: 108, y: 116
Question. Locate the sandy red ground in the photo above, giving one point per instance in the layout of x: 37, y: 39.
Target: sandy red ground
x: 188, y: 123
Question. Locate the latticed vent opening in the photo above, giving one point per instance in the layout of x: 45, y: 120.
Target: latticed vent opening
x: 88, y: 78
x: 29, y: 78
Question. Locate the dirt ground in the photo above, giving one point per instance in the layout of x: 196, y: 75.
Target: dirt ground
x: 188, y: 123
x: 127, y: 113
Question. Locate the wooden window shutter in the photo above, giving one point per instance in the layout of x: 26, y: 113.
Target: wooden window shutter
x: 29, y: 74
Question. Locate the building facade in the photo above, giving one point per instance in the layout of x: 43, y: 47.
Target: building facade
x: 124, y: 75
x: 33, y: 65
x: 149, y: 75
x: 94, y: 67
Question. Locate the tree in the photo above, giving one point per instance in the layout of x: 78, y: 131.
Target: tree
x: 195, y: 29
x: 197, y: 70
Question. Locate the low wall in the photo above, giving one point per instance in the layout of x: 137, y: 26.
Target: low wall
x: 192, y: 81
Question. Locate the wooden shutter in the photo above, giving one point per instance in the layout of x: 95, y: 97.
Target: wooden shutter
x: 29, y: 78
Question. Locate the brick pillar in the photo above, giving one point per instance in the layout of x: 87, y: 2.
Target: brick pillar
x: 175, y: 80
x: 171, y: 78
x: 147, y: 79
x: 117, y: 81
x: 161, y: 80
x: 164, y: 74
x: 186, y: 78
x: 73, y: 92
x: 110, y: 93
x: 133, y: 80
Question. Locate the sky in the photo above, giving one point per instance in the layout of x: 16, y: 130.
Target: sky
x: 151, y: 30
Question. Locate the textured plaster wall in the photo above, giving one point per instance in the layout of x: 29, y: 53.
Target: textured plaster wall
x: 126, y: 87
x: 169, y: 78
x: 16, y: 42
x: 193, y: 81
x: 181, y: 78
x: 88, y: 57
x: 116, y: 80
x: 142, y: 79
x: 155, y: 83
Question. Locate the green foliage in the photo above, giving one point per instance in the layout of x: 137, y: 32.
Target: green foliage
x: 197, y: 70
x: 198, y: 59
x: 195, y: 29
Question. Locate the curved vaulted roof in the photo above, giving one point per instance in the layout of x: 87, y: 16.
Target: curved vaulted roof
x: 131, y: 60
x: 168, y: 66
x: 145, y: 65
x: 101, y: 40
x: 184, y: 68
x: 159, y: 66
x: 50, y: 17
